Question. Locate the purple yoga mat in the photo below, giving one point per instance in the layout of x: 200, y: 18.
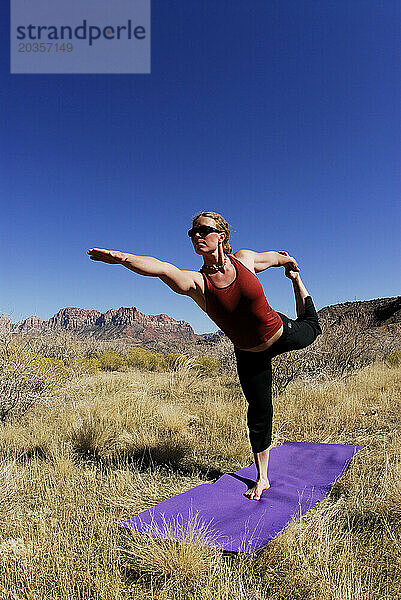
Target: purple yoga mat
x: 300, y: 474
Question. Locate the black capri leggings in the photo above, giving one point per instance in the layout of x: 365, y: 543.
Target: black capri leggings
x: 255, y: 372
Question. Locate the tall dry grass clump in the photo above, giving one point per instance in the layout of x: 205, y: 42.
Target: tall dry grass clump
x: 111, y: 444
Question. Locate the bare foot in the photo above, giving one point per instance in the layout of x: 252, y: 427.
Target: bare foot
x: 256, y: 492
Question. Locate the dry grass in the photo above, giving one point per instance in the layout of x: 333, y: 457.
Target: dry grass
x: 114, y: 444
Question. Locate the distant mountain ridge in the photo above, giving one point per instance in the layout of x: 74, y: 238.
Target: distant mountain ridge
x: 161, y: 331
x: 379, y: 312
x: 123, y: 322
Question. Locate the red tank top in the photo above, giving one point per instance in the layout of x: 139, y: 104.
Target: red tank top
x: 241, y: 309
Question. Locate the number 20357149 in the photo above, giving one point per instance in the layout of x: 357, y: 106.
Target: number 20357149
x: 44, y: 47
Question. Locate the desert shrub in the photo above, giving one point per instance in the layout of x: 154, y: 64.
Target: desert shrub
x: 286, y: 368
x: 81, y: 365
x: 223, y: 351
x: 61, y: 346
x: 111, y: 361
x: 347, y: 345
x: 144, y: 359
x: 342, y: 348
x: 159, y: 362
x: 393, y: 359
x: 206, y: 365
x: 26, y: 376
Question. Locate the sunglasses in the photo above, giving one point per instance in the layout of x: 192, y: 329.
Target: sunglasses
x: 203, y: 231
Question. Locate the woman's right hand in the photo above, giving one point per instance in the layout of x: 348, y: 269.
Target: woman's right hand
x: 289, y: 272
x: 113, y: 257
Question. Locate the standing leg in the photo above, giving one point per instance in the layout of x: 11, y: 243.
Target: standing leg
x: 255, y: 375
x: 262, y: 482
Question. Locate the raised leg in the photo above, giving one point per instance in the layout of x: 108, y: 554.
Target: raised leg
x: 300, y: 291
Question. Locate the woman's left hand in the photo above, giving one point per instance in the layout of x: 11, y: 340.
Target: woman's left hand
x: 113, y: 257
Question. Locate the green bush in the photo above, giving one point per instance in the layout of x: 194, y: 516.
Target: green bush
x: 144, y: 360
x: 206, y: 365
x: 111, y: 361
x: 393, y: 359
x: 159, y: 362
x: 81, y: 365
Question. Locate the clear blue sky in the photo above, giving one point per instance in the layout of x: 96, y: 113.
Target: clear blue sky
x: 282, y: 115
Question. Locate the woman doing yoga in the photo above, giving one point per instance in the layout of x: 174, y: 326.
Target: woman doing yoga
x: 227, y: 289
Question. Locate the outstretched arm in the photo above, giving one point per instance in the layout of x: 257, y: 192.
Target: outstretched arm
x: 260, y: 261
x: 179, y: 281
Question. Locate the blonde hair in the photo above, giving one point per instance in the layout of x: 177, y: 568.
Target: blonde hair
x: 221, y: 224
